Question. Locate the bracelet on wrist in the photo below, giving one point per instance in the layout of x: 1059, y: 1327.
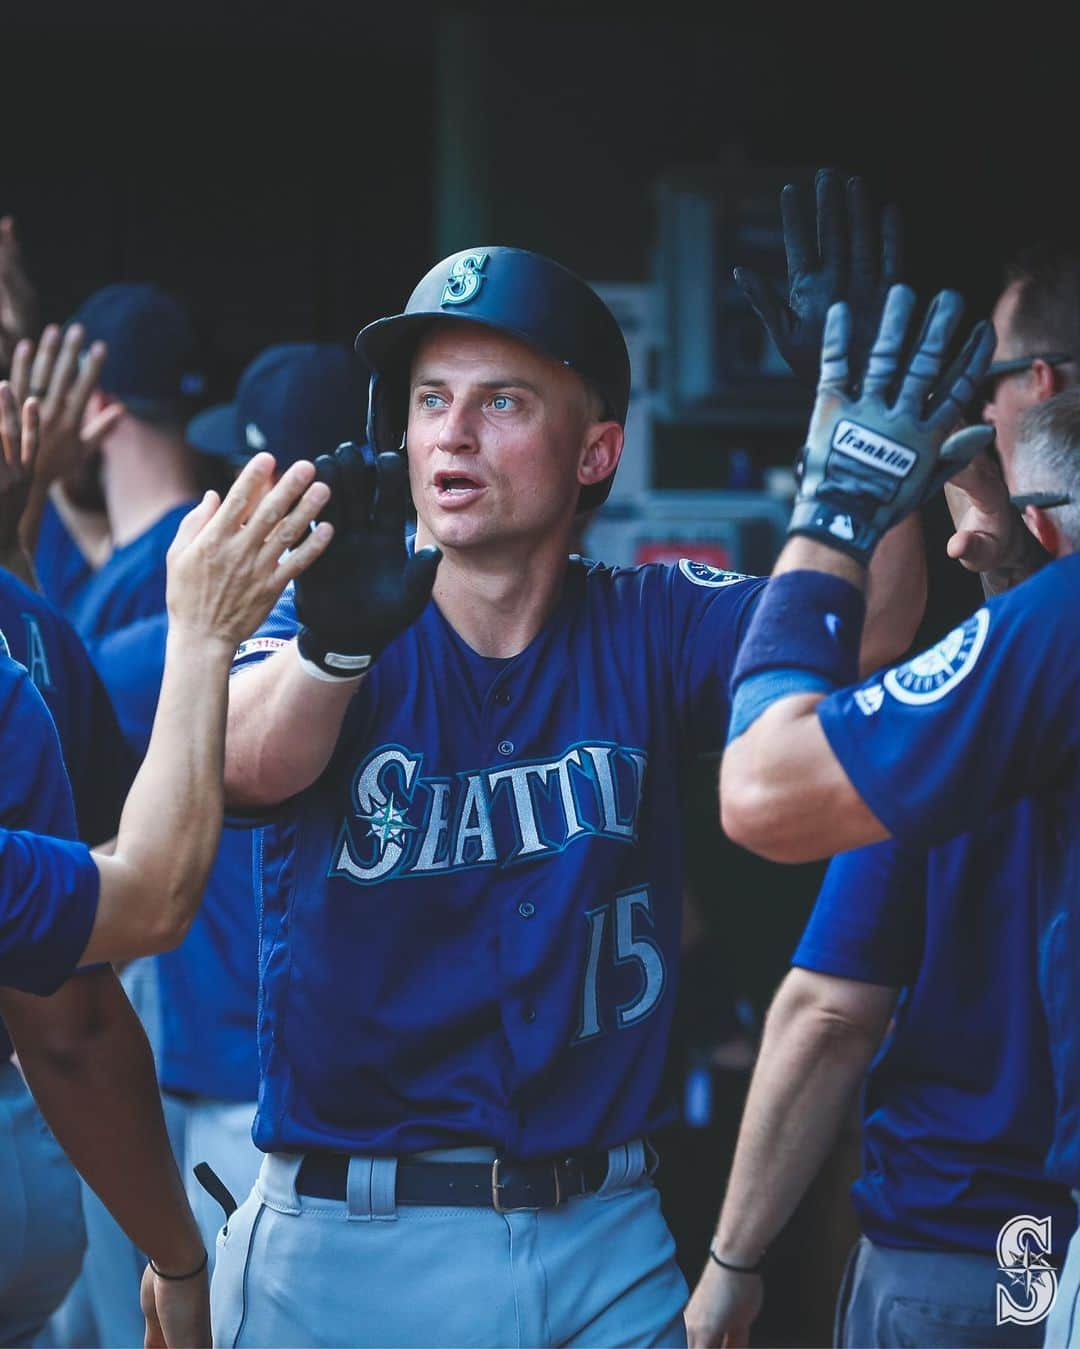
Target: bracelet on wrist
x: 736, y: 1269
x: 179, y: 1278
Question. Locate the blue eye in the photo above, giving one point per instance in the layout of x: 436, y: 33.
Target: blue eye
x: 501, y: 402
x: 429, y: 400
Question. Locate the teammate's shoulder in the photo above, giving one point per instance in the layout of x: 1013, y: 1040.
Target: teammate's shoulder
x: 1045, y: 603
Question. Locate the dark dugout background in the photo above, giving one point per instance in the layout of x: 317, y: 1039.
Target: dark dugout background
x: 293, y: 169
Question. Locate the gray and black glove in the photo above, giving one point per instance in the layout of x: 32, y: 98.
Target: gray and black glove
x: 852, y: 256
x: 365, y: 589
x: 873, y: 457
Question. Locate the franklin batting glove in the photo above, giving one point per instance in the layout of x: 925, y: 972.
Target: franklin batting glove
x: 365, y: 589
x: 872, y: 459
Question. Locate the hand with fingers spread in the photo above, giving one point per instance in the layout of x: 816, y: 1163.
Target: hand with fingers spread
x: 57, y: 375
x: 231, y: 559
x: 18, y: 299
x: 851, y: 256
x: 873, y: 457
x: 365, y: 589
x: 19, y: 439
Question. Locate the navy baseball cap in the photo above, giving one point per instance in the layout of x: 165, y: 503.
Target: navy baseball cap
x: 153, y: 350
x: 295, y: 400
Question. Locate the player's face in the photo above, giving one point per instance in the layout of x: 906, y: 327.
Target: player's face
x: 497, y: 436
x: 1012, y: 393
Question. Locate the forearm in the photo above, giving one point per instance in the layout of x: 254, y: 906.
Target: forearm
x: 171, y: 822
x: 807, y: 1073
x: 895, y: 595
x: 283, y: 726
x: 98, y: 1092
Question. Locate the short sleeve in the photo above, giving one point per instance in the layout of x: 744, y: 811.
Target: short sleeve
x: 989, y: 714
x: 710, y: 611
x: 49, y: 892
x: 869, y: 917
x: 280, y: 627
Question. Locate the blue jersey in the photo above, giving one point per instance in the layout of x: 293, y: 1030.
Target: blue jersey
x: 61, y: 568
x: 990, y: 714
x: 131, y: 584
x: 470, y: 922
x: 48, y: 885
x: 958, y: 1106
x: 100, y: 765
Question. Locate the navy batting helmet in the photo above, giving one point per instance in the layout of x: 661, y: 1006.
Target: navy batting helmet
x: 522, y: 294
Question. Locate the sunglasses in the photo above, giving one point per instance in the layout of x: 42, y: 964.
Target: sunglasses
x: 1045, y: 500
x: 999, y: 369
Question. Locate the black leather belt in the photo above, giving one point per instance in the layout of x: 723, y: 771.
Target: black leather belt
x: 505, y: 1184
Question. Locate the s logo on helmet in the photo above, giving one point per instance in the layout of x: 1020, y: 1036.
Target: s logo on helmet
x: 936, y: 672
x: 464, y: 280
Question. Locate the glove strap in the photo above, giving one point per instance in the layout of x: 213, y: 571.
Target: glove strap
x: 332, y: 666
x: 834, y: 525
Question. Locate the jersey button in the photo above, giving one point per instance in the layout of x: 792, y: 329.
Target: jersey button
x: 506, y: 747
x: 526, y: 908
x: 502, y: 698
x: 528, y: 1014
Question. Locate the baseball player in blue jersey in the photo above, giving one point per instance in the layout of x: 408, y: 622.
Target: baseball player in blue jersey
x: 63, y: 906
x: 469, y: 860
x: 928, y: 749
x: 920, y: 969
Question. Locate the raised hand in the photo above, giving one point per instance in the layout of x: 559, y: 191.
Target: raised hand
x: 991, y: 537
x: 18, y: 299
x: 19, y: 432
x: 874, y: 456
x: 851, y: 256
x: 365, y: 589
x: 231, y: 559
x: 54, y: 373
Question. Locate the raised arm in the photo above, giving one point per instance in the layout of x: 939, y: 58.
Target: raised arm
x: 285, y: 713
x: 872, y: 457
x: 226, y: 567
x: 820, y: 1035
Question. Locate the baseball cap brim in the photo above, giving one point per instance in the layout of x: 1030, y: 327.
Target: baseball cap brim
x: 213, y: 431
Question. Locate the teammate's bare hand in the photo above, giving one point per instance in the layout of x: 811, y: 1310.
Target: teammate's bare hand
x: 722, y: 1309
x: 228, y: 563
x: 177, y: 1312
x: 19, y: 439
x: 18, y: 299
x: 990, y: 535
x: 54, y: 373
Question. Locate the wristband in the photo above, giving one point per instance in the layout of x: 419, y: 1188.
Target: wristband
x: 179, y: 1278
x: 735, y: 1269
x: 323, y: 663
x: 805, y: 620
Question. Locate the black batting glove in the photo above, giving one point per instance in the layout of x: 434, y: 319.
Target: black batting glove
x: 851, y: 256
x: 877, y: 449
x: 365, y: 589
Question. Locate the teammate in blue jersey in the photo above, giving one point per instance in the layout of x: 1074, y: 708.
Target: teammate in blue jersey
x: 957, y: 1112
x: 63, y: 906
x: 932, y: 747
x: 469, y: 859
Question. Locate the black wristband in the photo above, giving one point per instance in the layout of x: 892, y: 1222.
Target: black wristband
x: 735, y: 1269
x: 179, y: 1278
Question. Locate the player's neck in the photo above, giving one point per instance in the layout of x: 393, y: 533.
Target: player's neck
x: 499, y: 605
x: 145, y: 476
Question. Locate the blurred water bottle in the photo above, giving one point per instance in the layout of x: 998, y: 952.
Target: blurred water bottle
x: 740, y: 471
x: 698, y: 1092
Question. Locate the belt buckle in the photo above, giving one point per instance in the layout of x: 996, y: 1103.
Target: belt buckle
x: 497, y: 1185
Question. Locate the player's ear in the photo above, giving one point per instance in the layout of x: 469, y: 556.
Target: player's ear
x: 600, y: 453
x: 1042, y: 525
x: 1047, y: 380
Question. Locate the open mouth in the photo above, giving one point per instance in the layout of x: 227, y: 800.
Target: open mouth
x: 456, y: 484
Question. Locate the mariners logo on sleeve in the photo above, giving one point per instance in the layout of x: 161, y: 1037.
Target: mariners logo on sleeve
x: 704, y: 574
x: 936, y: 672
